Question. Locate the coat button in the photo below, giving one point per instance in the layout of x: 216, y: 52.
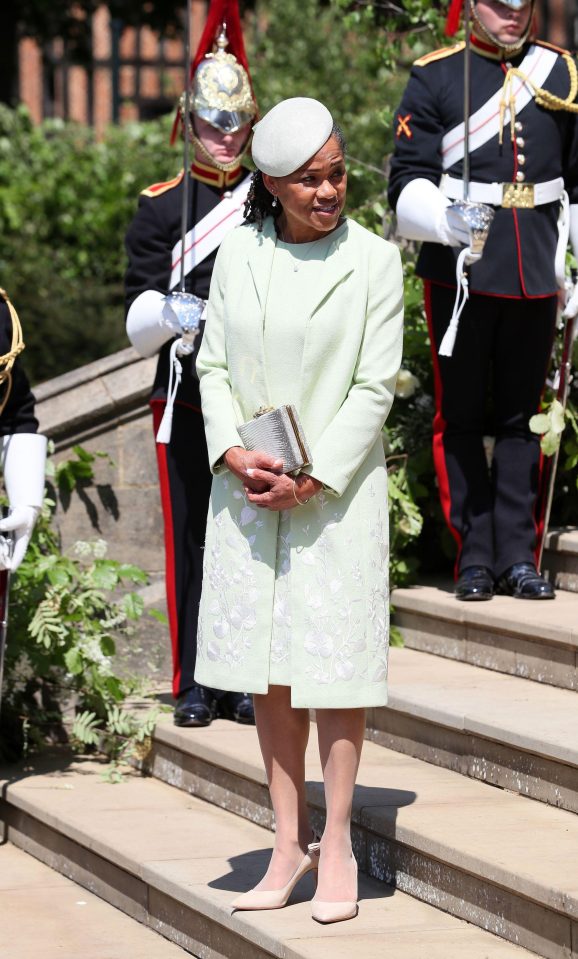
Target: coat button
x: 518, y: 126
x: 521, y: 159
x: 520, y: 177
x: 520, y: 142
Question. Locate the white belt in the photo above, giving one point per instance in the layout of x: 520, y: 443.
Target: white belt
x: 522, y: 195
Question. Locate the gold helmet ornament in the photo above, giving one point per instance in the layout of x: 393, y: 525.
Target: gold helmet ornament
x: 478, y: 28
x: 222, y: 94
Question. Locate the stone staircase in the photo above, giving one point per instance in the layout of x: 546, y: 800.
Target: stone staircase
x: 482, y: 696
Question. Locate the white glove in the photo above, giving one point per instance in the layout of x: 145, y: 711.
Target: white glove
x: 23, y: 459
x: 574, y: 228
x: 422, y: 215
x: 148, y: 325
x: 21, y: 522
x: 571, y: 308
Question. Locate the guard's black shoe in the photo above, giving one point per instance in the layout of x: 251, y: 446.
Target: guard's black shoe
x: 195, y: 707
x: 523, y: 581
x: 238, y: 707
x: 475, y: 583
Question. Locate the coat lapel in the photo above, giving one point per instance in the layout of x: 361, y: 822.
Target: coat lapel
x: 335, y: 268
x: 260, y: 261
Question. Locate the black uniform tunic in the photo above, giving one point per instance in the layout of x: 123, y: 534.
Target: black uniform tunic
x: 184, y: 476
x: 18, y: 414
x: 505, y: 333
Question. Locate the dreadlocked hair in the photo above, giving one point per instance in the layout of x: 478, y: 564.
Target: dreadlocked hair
x: 259, y: 202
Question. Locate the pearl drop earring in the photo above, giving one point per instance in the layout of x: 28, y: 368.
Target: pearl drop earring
x: 275, y: 202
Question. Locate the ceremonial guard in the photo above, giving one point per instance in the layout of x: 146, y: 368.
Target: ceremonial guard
x: 22, y: 449
x: 487, y: 128
x: 203, y: 210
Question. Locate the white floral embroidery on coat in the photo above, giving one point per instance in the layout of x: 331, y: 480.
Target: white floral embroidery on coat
x: 229, y: 562
x: 345, y: 637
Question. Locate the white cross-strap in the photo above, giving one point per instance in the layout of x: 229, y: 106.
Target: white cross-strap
x: 209, y: 233
x: 484, y: 124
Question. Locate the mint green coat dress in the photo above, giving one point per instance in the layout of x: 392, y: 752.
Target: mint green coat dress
x: 300, y: 598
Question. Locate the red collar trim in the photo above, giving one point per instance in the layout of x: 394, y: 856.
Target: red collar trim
x: 213, y: 177
x: 486, y: 49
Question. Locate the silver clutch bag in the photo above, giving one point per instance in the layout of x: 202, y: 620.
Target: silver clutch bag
x: 279, y: 433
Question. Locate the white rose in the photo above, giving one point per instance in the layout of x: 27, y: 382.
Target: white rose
x: 406, y: 384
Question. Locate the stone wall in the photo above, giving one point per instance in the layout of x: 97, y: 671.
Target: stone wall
x: 104, y: 407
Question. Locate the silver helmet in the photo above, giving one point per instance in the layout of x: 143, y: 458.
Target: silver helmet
x: 222, y: 92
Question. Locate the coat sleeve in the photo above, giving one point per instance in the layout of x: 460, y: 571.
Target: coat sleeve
x: 149, y: 250
x: 418, y: 134
x: 212, y: 367
x: 345, y: 443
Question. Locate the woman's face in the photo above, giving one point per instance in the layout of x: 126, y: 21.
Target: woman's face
x: 505, y: 24
x: 223, y: 147
x: 313, y: 197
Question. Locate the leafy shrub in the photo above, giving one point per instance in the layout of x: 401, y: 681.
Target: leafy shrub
x: 66, y: 613
x: 65, y: 204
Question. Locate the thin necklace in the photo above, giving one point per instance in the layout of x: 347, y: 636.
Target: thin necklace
x: 304, y: 247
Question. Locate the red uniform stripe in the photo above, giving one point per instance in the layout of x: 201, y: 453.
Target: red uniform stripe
x: 439, y: 427
x: 158, y: 408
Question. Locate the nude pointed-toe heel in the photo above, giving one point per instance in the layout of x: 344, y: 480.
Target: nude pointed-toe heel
x: 326, y: 912
x: 277, y: 898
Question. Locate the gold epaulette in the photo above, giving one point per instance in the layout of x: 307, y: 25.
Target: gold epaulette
x: 157, y: 189
x: 439, y: 54
x: 552, y: 46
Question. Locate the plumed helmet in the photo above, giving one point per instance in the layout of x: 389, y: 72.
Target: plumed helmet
x: 221, y: 88
x: 222, y: 92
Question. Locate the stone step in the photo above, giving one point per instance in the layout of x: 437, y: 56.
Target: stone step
x: 67, y: 920
x: 560, y: 561
x: 483, y: 854
x: 487, y: 725
x: 534, y: 640
x: 175, y: 863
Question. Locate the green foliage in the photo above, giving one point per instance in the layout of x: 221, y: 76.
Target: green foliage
x: 66, y: 614
x: 122, y: 736
x: 406, y: 521
x: 550, y: 426
x: 558, y: 429
x: 65, y: 203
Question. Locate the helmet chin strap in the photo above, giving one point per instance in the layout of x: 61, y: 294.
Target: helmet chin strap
x: 201, y: 150
x: 508, y: 50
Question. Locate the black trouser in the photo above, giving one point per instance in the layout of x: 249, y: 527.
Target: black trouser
x: 185, y: 484
x: 501, y: 354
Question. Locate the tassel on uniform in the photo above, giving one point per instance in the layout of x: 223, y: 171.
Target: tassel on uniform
x: 462, y: 296
x: 176, y: 372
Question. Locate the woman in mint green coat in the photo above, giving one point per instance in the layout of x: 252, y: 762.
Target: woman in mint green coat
x: 305, y: 308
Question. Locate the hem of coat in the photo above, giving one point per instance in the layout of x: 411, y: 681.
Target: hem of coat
x: 321, y: 699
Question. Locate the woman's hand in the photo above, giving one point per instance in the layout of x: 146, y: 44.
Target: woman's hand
x: 281, y: 492
x: 244, y: 463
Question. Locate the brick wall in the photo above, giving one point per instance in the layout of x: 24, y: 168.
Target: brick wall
x: 150, y: 74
